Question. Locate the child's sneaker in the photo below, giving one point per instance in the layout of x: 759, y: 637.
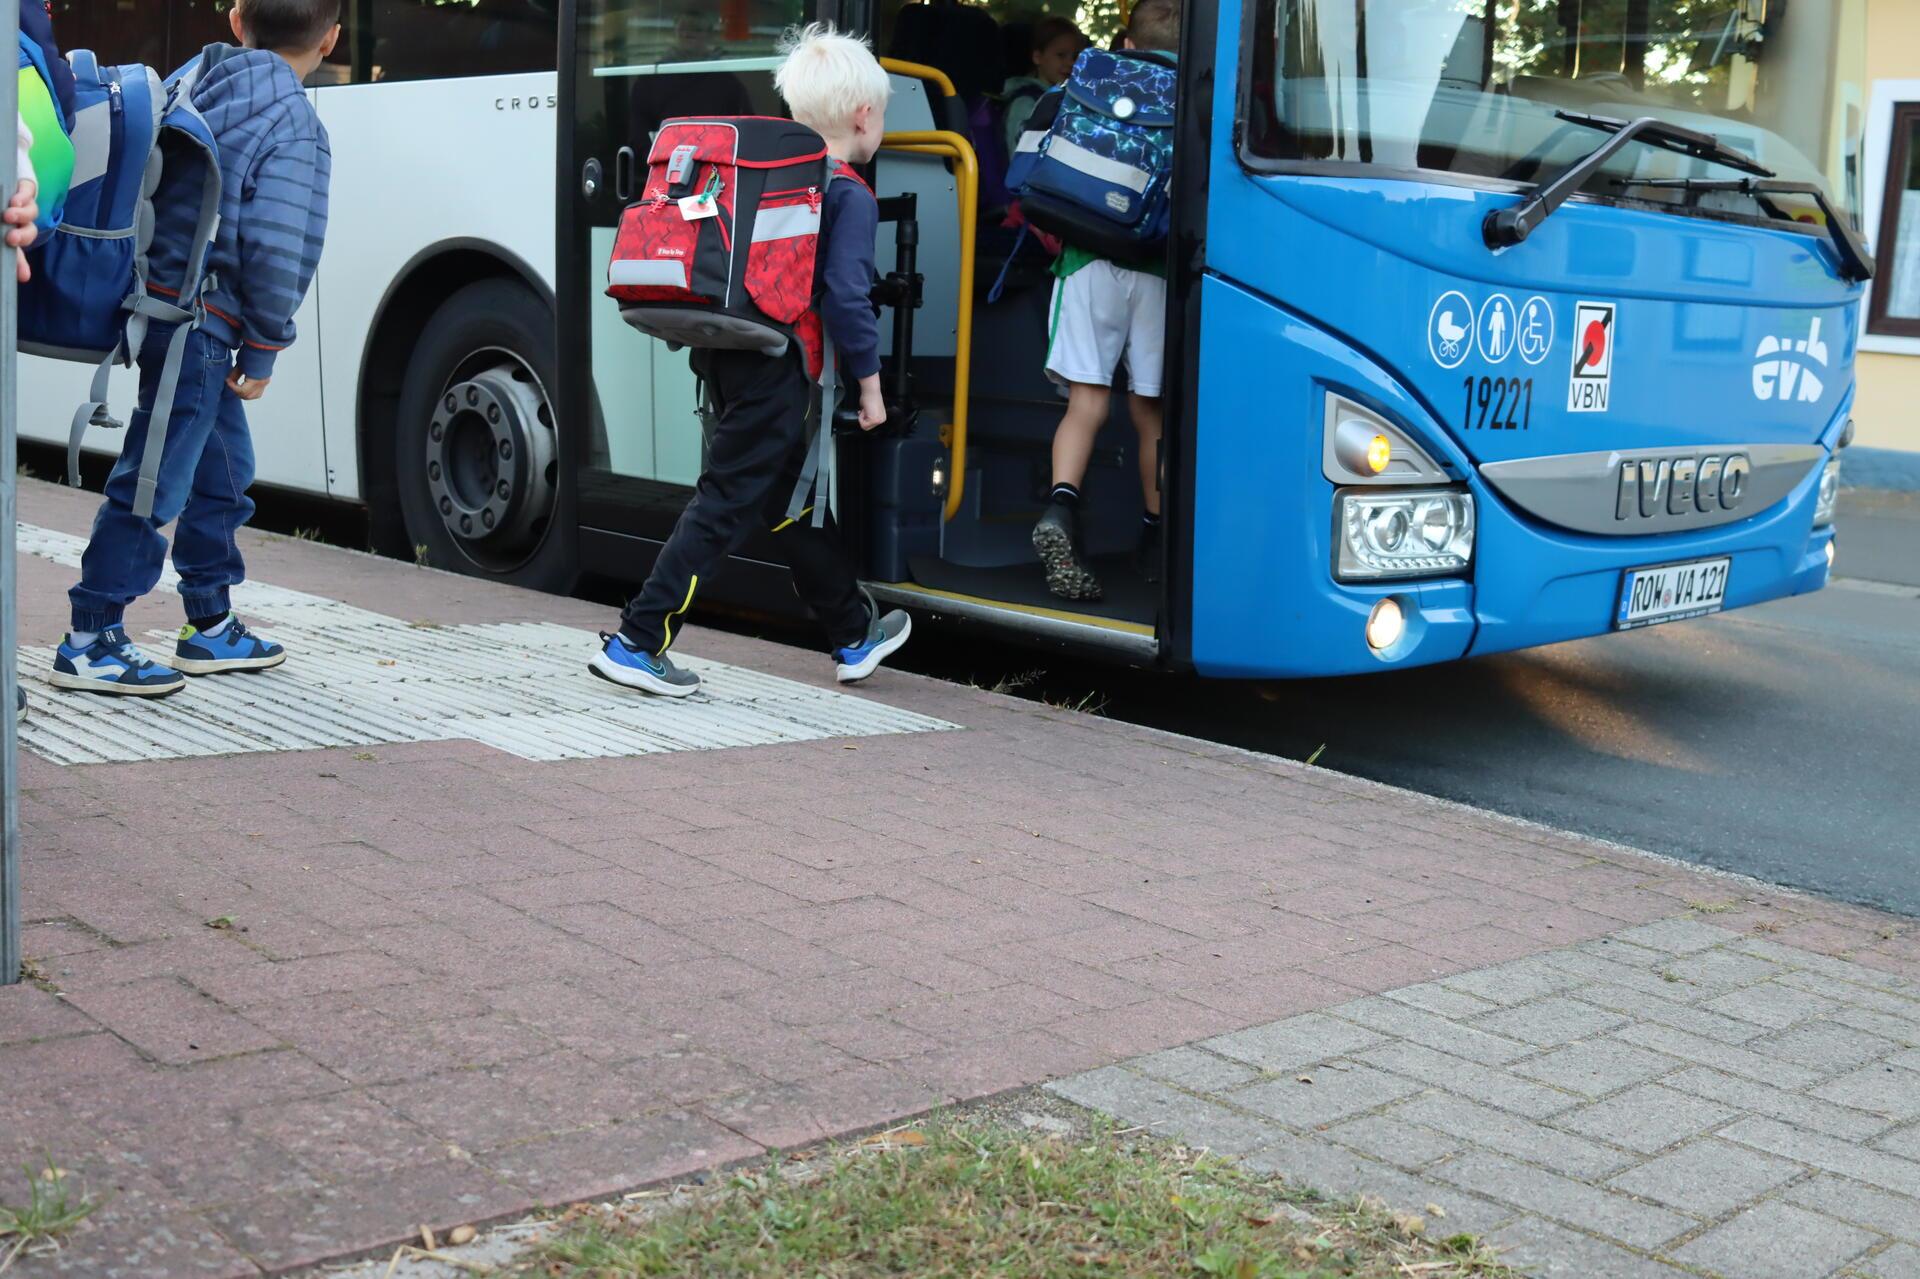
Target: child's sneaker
x: 19, y: 703
x: 235, y: 648
x: 1056, y: 539
x: 885, y: 634
x: 111, y: 664
x: 622, y: 663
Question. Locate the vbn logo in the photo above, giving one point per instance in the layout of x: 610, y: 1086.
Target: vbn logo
x: 1780, y: 367
x: 1681, y: 485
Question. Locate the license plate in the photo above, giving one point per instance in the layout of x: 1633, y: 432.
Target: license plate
x: 1670, y: 592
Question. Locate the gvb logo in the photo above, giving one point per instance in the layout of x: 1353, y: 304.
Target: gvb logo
x: 1783, y: 367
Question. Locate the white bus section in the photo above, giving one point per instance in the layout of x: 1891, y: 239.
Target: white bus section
x: 364, y: 678
x: 415, y: 165
x: 430, y: 165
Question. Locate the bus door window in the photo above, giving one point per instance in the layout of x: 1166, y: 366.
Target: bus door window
x: 644, y: 61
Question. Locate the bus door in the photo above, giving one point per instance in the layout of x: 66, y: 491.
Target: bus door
x: 632, y: 435
x: 952, y: 503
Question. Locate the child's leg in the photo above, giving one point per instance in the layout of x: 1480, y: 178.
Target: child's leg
x: 762, y: 404
x: 823, y: 572
x: 1146, y: 357
x: 1145, y: 411
x: 125, y: 553
x: 1087, y: 331
x: 1087, y: 407
x: 205, y: 551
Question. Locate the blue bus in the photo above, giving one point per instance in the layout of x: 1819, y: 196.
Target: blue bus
x: 1491, y: 323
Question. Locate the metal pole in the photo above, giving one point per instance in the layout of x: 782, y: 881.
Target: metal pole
x: 9, y: 473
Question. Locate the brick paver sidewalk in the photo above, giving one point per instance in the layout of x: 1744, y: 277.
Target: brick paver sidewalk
x: 452, y: 980
x: 1674, y: 1092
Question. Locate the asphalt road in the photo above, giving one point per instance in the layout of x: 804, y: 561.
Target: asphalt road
x: 1782, y: 741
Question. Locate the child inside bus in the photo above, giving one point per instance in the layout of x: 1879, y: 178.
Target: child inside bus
x: 275, y: 164
x: 1056, y: 43
x: 833, y: 85
x: 1103, y: 311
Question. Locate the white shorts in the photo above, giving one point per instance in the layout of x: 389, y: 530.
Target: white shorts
x: 1100, y: 313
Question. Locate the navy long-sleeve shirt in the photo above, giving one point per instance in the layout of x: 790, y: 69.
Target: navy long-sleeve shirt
x: 843, y: 275
x: 275, y: 166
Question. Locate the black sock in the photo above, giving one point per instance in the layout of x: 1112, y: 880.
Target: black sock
x: 204, y: 624
x: 1066, y: 495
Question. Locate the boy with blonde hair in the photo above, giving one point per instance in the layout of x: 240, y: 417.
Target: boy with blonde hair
x: 755, y: 455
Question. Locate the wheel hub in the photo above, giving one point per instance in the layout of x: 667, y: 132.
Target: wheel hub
x: 490, y: 457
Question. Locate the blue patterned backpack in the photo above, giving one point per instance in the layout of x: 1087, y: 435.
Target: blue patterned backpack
x: 1100, y: 175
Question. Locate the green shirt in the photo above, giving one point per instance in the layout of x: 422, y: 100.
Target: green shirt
x: 1072, y: 259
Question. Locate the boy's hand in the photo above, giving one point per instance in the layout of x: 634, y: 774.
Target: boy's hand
x: 22, y: 211
x: 873, y: 409
x: 245, y: 387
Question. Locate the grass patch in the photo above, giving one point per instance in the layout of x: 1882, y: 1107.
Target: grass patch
x: 53, y: 1208
x: 964, y: 1197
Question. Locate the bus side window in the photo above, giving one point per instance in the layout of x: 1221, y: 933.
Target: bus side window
x: 423, y: 40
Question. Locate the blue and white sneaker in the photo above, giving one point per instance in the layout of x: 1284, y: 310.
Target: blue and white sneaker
x: 884, y: 636
x: 235, y: 648
x: 622, y: 663
x: 111, y: 664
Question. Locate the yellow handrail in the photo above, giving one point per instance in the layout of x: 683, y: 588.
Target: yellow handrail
x: 956, y: 147
x: 921, y: 71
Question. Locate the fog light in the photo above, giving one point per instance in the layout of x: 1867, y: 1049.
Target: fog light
x: 1829, y: 555
x: 1385, y: 625
x: 1379, y: 453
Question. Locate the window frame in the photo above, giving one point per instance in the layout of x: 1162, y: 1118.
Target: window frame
x: 1903, y: 124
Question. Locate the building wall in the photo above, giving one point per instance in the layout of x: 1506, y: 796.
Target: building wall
x: 1887, y: 410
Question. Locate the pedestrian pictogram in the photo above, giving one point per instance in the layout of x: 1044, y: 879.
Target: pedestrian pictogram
x: 1496, y: 328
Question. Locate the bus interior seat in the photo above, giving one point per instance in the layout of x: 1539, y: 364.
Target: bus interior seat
x: 959, y: 39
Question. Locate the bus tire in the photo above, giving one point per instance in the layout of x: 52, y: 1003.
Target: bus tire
x: 475, y: 451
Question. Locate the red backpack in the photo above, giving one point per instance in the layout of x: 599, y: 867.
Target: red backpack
x: 714, y: 185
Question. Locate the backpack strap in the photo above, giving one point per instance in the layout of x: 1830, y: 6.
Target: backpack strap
x: 189, y: 313
x: 816, y: 473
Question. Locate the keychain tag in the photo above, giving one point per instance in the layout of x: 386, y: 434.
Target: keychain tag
x: 695, y: 207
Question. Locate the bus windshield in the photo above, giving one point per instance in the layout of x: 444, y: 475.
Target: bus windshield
x: 1474, y: 87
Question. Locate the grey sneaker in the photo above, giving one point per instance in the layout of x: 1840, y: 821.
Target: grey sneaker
x: 885, y: 634
x: 1056, y: 540
x: 624, y: 664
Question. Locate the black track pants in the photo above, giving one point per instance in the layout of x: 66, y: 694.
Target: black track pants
x: 753, y: 462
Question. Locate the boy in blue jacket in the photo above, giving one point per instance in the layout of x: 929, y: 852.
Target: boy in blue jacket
x: 275, y: 165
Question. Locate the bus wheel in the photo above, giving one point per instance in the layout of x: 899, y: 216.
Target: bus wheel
x: 475, y: 451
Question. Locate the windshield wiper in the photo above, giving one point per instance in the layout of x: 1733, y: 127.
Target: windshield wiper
x: 1503, y: 228
x: 1855, y: 262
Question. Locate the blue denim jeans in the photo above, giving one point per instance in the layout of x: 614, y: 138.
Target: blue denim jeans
x: 205, y: 469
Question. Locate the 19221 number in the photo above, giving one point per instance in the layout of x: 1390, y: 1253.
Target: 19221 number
x: 1498, y: 404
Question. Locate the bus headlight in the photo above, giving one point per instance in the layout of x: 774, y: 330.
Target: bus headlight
x: 1401, y: 532
x: 1829, y: 500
